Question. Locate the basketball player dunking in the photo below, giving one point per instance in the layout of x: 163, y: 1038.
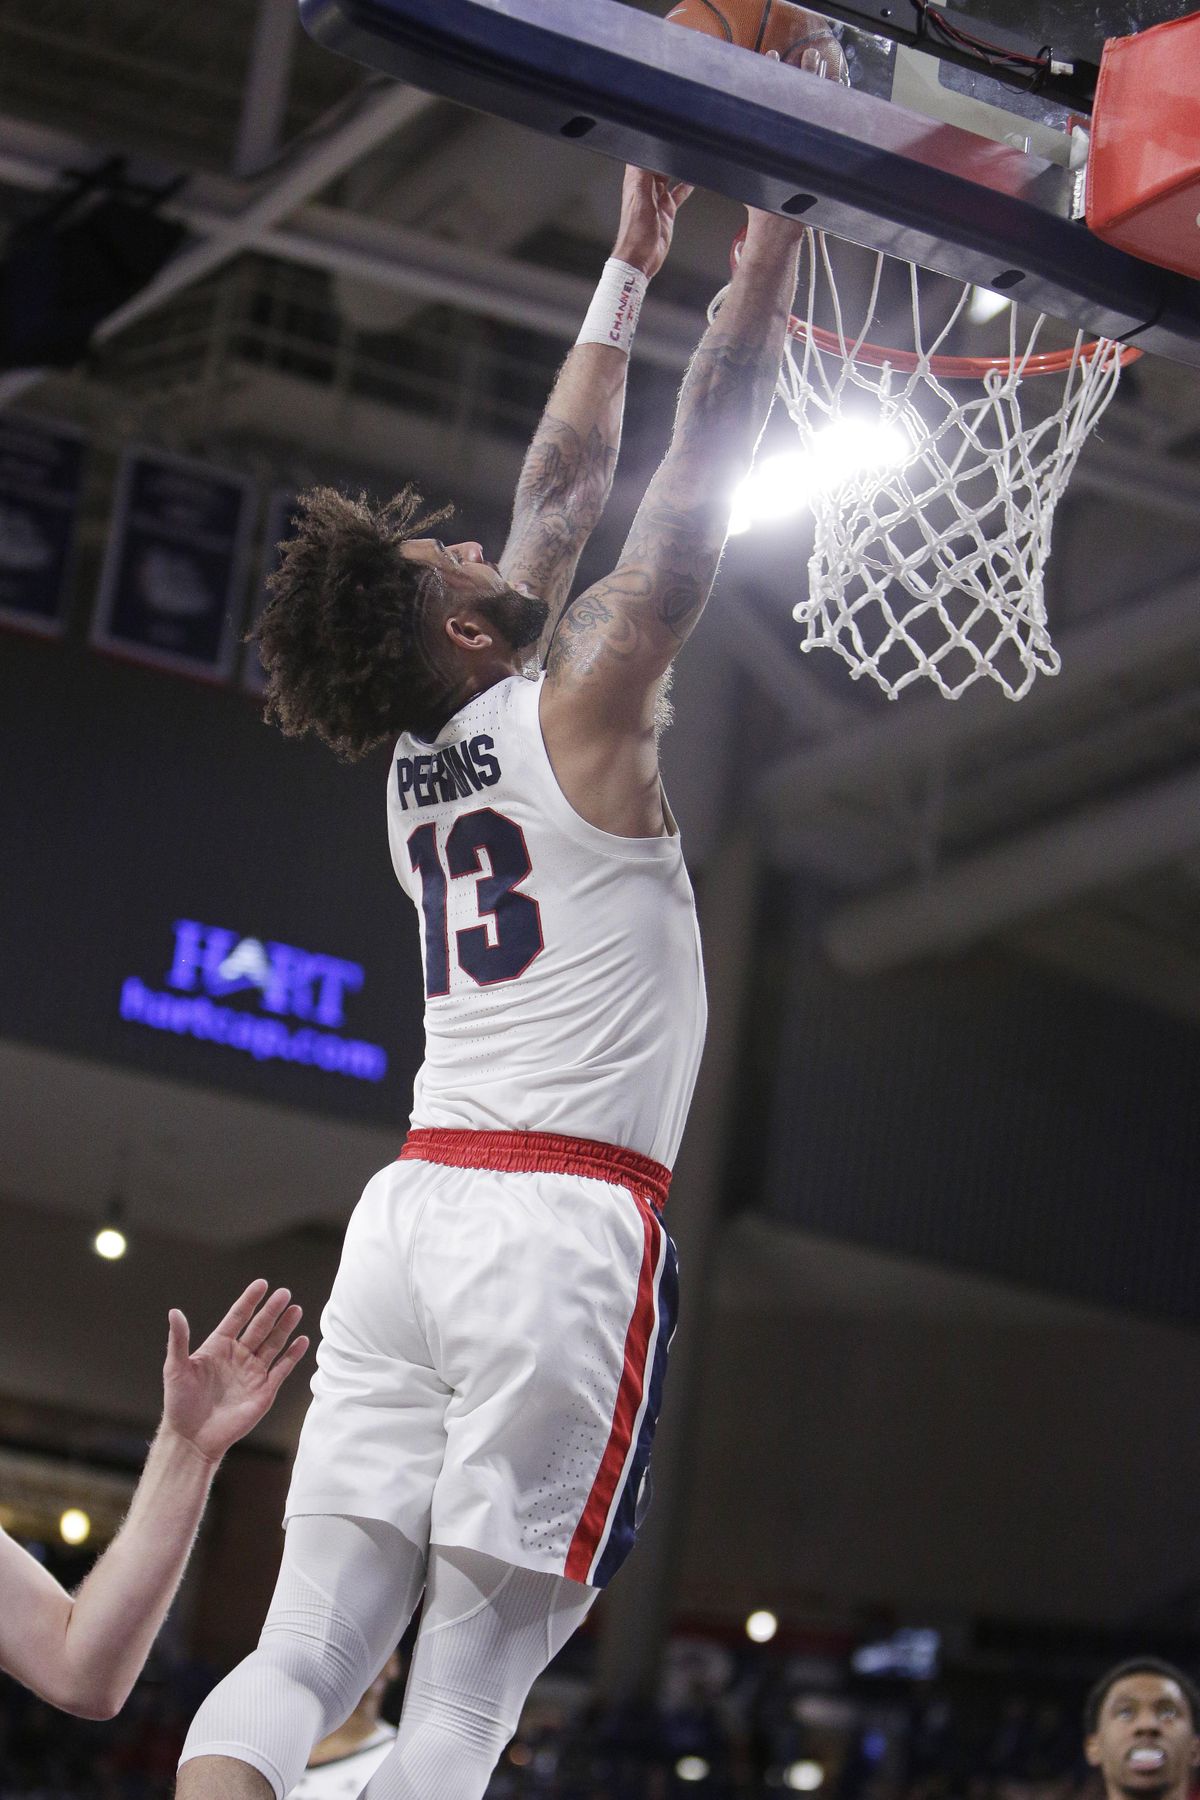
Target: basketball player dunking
x: 493, y: 1350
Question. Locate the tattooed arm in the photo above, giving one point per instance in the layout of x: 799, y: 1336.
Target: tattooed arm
x: 568, y: 471
x: 616, y: 641
x: 567, y: 475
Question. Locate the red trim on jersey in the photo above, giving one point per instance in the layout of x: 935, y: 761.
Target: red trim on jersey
x: 540, y: 1153
x: 594, y: 1517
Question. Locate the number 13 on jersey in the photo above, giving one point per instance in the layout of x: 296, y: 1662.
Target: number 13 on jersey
x: 487, y: 953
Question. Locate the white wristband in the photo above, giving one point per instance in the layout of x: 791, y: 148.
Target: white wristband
x: 613, y: 315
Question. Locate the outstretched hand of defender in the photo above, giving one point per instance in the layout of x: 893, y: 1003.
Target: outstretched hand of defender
x: 649, y: 204
x: 215, y: 1394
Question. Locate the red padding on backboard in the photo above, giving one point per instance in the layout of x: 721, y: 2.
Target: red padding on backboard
x: 1143, y: 180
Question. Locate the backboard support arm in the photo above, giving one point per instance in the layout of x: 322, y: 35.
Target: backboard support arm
x: 1055, y: 73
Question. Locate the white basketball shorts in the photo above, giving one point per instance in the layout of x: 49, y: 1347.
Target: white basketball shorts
x: 492, y: 1355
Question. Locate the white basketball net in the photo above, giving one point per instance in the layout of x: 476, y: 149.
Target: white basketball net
x: 930, y: 563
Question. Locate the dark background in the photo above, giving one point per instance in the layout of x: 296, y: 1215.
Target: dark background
x: 938, y: 1365
x: 131, y: 800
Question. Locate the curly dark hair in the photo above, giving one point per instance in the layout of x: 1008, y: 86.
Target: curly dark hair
x: 341, y: 637
x: 1139, y: 1665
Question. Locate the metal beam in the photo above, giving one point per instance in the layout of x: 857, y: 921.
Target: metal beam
x: 265, y: 96
x: 1110, y: 952
x: 626, y: 85
x: 958, y: 905
x: 312, y: 168
x: 479, y: 281
x: 325, y: 237
x: 313, y: 165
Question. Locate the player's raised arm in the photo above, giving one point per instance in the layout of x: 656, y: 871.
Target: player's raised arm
x: 568, y: 470
x: 616, y: 640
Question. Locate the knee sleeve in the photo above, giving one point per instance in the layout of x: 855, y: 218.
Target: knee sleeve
x: 487, y: 1632
x: 346, y: 1590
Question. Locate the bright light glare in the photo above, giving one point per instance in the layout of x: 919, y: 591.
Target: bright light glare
x: 692, y: 1768
x: 75, y: 1527
x: 785, y: 484
x: 774, y: 488
x: 761, y: 1627
x: 985, y: 304
x: 803, y: 1777
x: 110, y: 1243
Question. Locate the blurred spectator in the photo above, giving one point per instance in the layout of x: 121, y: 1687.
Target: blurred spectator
x: 728, y: 1724
x: 341, y: 1763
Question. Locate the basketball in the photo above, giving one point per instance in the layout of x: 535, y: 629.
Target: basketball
x: 762, y: 25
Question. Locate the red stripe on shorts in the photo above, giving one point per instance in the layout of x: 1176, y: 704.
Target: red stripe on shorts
x: 540, y: 1153
x: 590, y: 1528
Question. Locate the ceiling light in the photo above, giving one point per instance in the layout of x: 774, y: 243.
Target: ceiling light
x: 761, y: 1627
x: 692, y: 1768
x: 74, y: 1527
x: 785, y: 484
x: 110, y: 1243
x: 803, y: 1777
x: 985, y: 304
x: 774, y: 488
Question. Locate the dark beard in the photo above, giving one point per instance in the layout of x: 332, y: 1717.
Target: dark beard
x: 520, y: 617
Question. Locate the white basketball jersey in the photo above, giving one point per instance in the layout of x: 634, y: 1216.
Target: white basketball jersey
x: 563, y: 981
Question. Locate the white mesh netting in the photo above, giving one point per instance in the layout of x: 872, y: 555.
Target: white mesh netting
x: 929, y: 554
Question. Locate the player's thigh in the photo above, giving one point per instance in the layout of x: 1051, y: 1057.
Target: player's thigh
x: 490, y: 1627
x: 346, y: 1590
x: 374, y: 1437
x: 552, y: 1304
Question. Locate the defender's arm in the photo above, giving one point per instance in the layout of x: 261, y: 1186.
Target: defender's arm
x: 568, y: 470
x: 616, y: 641
x: 84, y: 1654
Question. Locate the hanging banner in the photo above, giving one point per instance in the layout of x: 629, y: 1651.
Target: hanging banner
x: 41, y: 477
x: 170, y: 589
x: 276, y: 527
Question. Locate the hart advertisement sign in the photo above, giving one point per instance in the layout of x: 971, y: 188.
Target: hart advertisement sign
x: 271, y: 1001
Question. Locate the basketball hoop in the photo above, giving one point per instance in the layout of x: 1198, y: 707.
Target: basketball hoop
x: 929, y: 562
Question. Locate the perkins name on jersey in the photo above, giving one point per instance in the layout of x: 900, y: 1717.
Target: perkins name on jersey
x: 449, y: 774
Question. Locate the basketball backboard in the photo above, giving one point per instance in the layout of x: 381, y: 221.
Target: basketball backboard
x: 940, y: 166
x: 1072, y: 28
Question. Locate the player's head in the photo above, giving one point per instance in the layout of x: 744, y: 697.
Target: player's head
x: 1141, y: 1722
x: 375, y: 627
